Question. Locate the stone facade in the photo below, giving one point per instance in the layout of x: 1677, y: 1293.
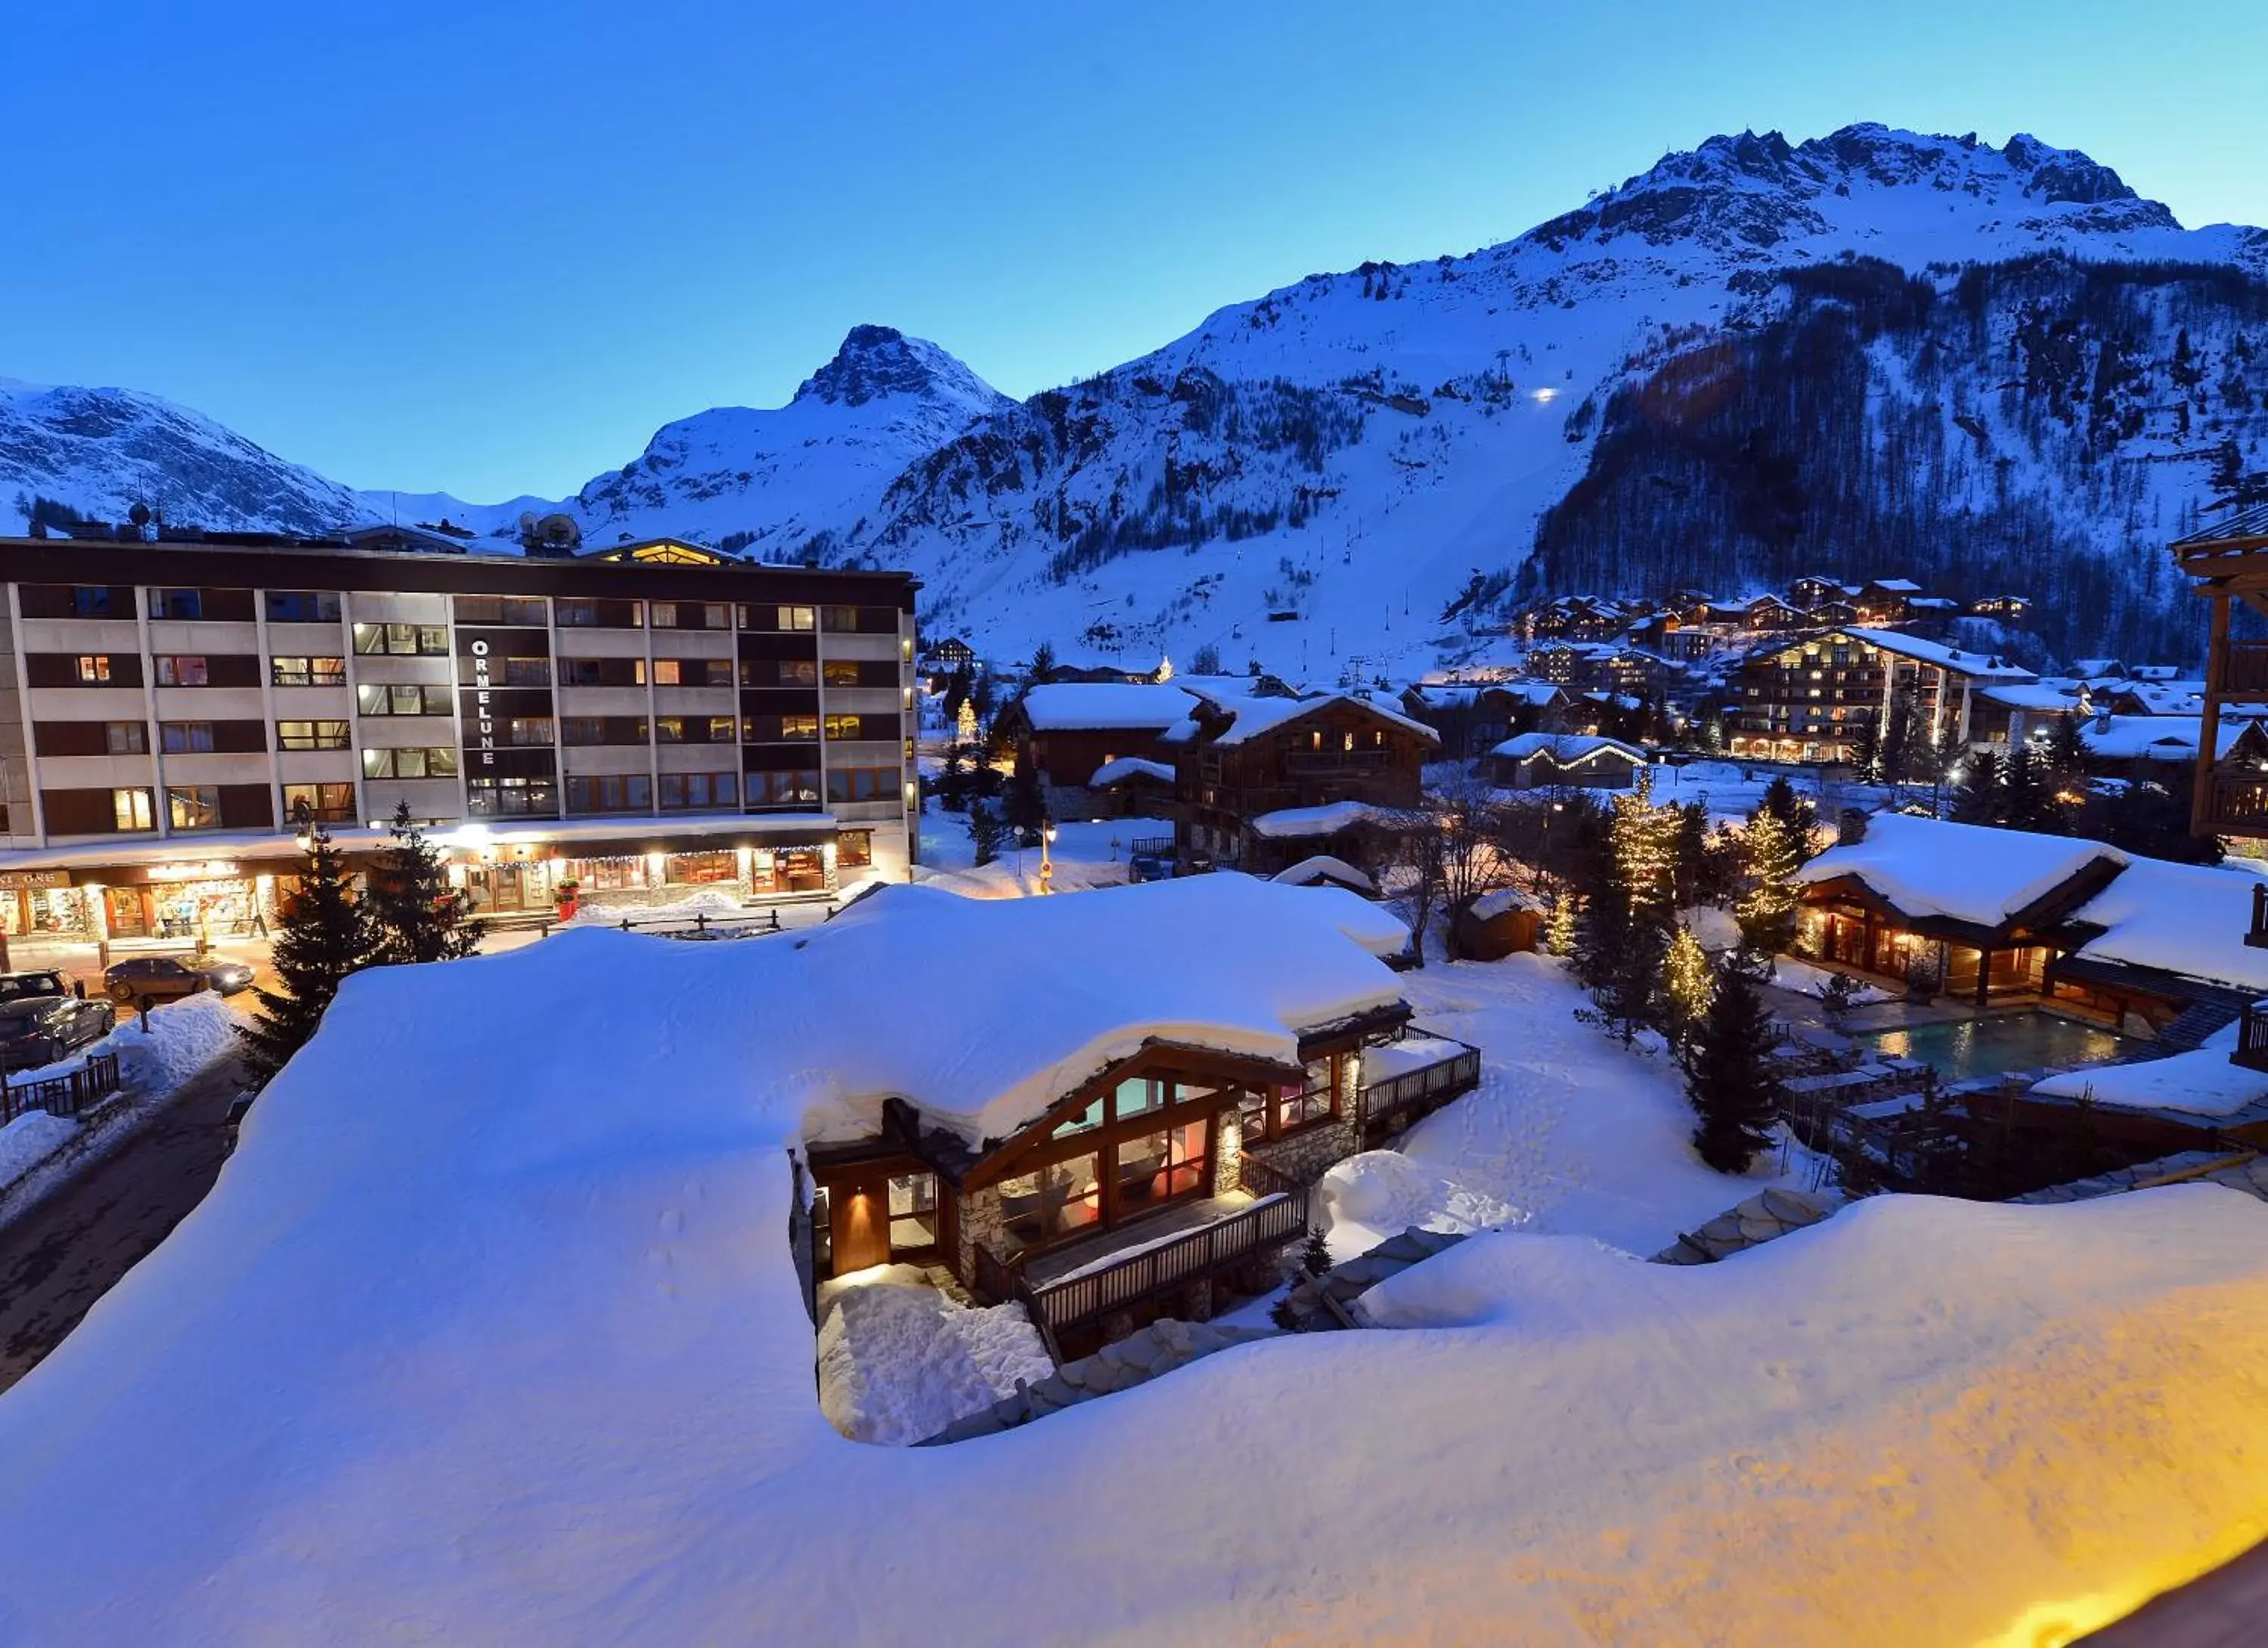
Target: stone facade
x: 980, y: 1224
x: 1306, y: 1156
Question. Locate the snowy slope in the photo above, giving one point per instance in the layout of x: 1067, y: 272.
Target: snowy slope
x: 103, y: 451
x: 485, y: 1340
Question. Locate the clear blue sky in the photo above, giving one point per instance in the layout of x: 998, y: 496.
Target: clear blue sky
x: 489, y: 247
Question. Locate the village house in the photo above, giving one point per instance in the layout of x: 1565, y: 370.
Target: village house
x: 1067, y: 732
x: 2008, y: 917
x: 1543, y: 761
x: 2009, y: 715
x: 1470, y: 716
x: 1130, y: 1130
x: 1886, y: 600
x: 1814, y: 592
x: 1261, y: 782
x: 1804, y: 699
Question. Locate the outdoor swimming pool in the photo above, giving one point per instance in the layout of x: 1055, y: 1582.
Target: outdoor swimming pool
x: 1990, y: 1047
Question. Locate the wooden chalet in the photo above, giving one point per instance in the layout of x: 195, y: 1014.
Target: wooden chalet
x: 1067, y: 732
x: 1541, y: 761
x: 1470, y: 716
x: 1263, y: 783
x: 1163, y: 1169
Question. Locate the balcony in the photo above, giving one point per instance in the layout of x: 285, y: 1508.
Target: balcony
x: 2236, y: 804
x: 2241, y: 671
x: 1312, y: 763
x: 1415, y: 1076
x: 2252, y: 1039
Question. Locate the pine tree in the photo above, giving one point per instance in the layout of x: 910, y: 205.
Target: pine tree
x: 2030, y: 799
x: 1796, y: 811
x: 415, y: 914
x: 322, y: 935
x: 1561, y: 927
x: 1315, y: 1254
x: 1767, y: 911
x: 1687, y: 984
x: 2066, y: 752
x: 1983, y: 798
x: 1627, y: 920
x: 1730, y: 1079
x: 1865, y: 739
x: 1043, y: 662
x: 985, y: 832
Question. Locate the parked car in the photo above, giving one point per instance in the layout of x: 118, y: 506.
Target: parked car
x: 169, y: 978
x: 16, y: 985
x: 36, y: 1030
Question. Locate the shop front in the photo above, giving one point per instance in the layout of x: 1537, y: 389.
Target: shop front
x: 40, y: 901
x: 198, y: 899
x: 604, y: 873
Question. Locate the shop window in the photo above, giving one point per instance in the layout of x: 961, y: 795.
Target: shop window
x: 293, y: 671
x: 430, y: 762
x: 310, y: 735
x: 913, y: 1212
x: 193, y: 807
x: 319, y: 803
x: 854, y: 849
x: 132, y: 809
x: 125, y: 737
x: 177, y: 603
x: 1054, y: 1201
x: 303, y: 606
x: 186, y: 669
x: 94, y: 668
x: 707, y: 869
x: 186, y: 737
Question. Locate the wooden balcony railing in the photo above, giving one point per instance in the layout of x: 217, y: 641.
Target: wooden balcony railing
x: 1395, y: 1103
x: 1073, y: 1301
x: 1310, y: 762
x: 2237, y: 804
x: 2241, y: 667
x: 2251, y: 1040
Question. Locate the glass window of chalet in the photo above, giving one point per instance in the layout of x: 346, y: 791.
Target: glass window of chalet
x: 913, y: 1212
x: 1273, y: 1112
x: 1156, y: 1168
x: 1054, y: 1201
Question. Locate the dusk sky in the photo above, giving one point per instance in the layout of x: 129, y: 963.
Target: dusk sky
x: 489, y: 248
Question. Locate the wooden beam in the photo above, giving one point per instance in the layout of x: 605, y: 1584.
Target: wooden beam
x: 2209, y: 721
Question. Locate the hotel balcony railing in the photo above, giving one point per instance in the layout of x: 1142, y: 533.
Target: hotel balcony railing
x: 2241, y: 668
x: 2251, y: 1040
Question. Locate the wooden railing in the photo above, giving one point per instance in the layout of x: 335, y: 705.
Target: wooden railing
x: 65, y: 1095
x: 1075, y: 1300
x: 1262, y: 1179
x: 2252, y: 1039
x: 2239, y: 803
x: 1336, y: 761
x: 1399, y: 1100
x: 2241, y: 668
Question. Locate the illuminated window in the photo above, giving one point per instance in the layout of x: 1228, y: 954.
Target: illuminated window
x: 131, y: 807
x: 913, y: 1212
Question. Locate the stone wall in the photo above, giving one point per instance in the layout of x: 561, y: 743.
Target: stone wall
x: 980, y: 1224
x: 1305, y: 1155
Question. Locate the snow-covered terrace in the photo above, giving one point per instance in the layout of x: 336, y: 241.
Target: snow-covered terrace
x: 490, y: 1335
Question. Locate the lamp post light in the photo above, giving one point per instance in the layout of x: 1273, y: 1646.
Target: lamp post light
x: 1047, y: 863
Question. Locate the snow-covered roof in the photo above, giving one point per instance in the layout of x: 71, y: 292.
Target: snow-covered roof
x: 1253, y: 716
x: 1104, y: 706
x: 1491, y: 905
x: 2186, y: 919
x: 1569, y: 749
x: 2202, y: 1083
x: 1323, y: 867
x: 1981, y: 665
x: 2154, y: 737
x: 1970, y: 872
x: 1320, y: 821
x: 2043, y: 695
x: 1129, y: 767
x: 1897, y: 586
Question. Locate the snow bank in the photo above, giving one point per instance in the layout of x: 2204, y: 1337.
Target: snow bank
x: 29, y: 1140
x: 184, y: 1037
x: 1377, y: 1194
x: 1807, y: 980
x: 899, y: 1360
x: 2202, y: 1083
x: 708, y: 901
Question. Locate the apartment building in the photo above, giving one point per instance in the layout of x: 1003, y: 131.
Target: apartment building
x: 1805, y: 698
x: 639, y: 721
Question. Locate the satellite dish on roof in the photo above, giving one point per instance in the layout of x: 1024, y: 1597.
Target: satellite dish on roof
x: 559, y: 531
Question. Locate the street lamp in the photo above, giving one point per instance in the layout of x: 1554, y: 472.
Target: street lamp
x: 1047, y: 863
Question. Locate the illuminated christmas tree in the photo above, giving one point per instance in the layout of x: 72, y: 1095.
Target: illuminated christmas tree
x: 1165, y: 670
x: 1559, y: 930
x: 1687, y: 985
x: 964, y: 725
x: 1767, y: 911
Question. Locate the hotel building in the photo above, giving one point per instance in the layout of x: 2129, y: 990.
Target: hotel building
x: 640, y: 721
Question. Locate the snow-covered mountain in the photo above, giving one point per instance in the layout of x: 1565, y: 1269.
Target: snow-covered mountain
x: 100, y: 451
x: 1872, y: 352
x: 798, y: 483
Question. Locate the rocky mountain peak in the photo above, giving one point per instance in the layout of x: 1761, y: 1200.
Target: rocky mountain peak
x: 876, y: 362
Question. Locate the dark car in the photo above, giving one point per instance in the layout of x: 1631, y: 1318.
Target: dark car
x: 169, y: 978
x: 36, y: 1030
x: 14, y: 985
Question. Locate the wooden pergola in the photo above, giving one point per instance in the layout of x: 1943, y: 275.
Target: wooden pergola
x: 2230, y: 563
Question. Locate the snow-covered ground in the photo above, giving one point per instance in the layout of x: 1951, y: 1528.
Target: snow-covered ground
x: 29, y: 1140
x: 1087, y: 853
x: 182, y: 1038
x: 1569, y: 1131
x: 487, y: 1338
x: 899, y: 1360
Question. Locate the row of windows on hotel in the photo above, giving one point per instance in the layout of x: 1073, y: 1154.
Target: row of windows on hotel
x: 204, y: 738
x: 98, y: 600
x: 197, y: 669
x: 193, y: 807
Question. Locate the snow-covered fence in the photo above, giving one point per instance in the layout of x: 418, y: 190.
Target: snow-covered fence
x: 65, y: 1095
x: 1393, y: 1104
